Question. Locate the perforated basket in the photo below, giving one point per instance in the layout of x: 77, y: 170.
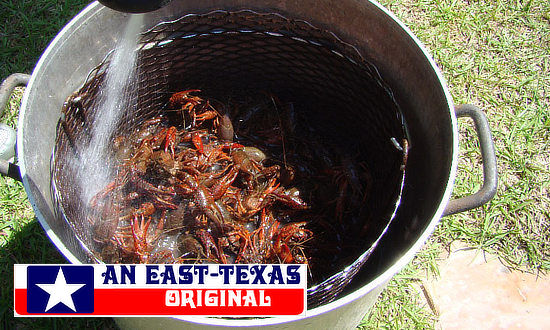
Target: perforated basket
x: 339, y: 98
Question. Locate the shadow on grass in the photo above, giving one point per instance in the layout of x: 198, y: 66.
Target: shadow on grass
x: 30, y: 245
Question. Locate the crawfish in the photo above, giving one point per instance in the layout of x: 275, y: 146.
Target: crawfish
x: 210, y: 245
x: 146, y: 210
x: 262, y: 237
x: 165, y: 162
x: 170, y: 140
x: 353, y: 184
x: 162, y: 196
x: 291, y: 232
x: 184, y: 97
x: 104, y: 225
x: 251, y: 203
x: 189, y: 247
x: 220, y: 187
x: 207, y: 113
x: 290, y: 197
x: 203, y: 198
x: 142, y: 238
x: 145, y: 131
x: 105, y: 212
x: 247, y: 160
x: 110, y: 190
x: 241, y: 237
x: 225, y: 129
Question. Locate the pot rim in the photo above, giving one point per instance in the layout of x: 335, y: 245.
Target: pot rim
x: 380, y: 280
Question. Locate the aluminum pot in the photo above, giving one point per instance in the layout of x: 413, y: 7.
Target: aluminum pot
x: 403, y: 63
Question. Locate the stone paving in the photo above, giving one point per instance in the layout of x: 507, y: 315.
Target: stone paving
x: 476, y: 291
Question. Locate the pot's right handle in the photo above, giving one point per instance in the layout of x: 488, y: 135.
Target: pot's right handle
x: 490, y: 173
x: 7, y: 87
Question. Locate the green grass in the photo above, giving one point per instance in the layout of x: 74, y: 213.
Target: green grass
x: 27, y: 28
x: 493, y: 54
x: 496, y: 55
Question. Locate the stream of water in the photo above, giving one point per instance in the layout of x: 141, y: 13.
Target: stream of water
x: 115, y: 98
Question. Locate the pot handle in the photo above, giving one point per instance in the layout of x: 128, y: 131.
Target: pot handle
x: 488, y: 156
x: 7, y: 87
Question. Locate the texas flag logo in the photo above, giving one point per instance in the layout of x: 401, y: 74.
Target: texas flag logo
x: 160, y: 290
x: 60, y: 289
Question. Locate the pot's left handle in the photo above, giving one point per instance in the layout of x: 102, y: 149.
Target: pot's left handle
x: 8, y: 85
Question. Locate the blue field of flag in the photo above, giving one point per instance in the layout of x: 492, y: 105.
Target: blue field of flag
x: 60, y: 289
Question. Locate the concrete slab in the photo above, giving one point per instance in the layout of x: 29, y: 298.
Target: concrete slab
x: 476, y: 291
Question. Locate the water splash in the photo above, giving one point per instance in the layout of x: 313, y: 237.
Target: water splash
x: 114, y: 99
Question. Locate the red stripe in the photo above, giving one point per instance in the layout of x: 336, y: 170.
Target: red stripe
x: 20, y: 301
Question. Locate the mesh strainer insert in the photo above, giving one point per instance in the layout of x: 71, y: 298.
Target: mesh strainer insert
x: 338, y: 100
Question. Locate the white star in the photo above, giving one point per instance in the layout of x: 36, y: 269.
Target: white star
x: 60, y: 291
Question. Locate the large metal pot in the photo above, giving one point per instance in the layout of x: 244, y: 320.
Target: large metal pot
x: 382, y: 39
